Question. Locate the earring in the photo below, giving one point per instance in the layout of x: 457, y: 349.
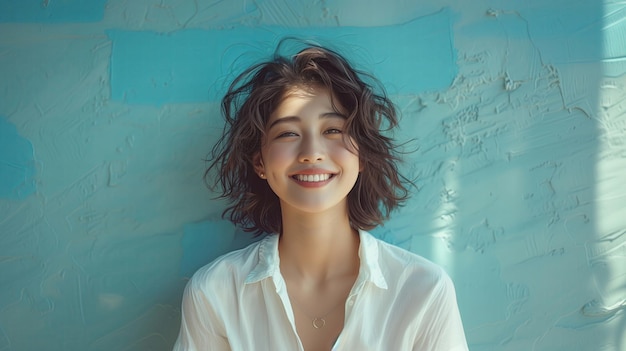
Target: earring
x: 262, y: 175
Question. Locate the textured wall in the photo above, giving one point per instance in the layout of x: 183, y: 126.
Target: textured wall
x: 517, y: 110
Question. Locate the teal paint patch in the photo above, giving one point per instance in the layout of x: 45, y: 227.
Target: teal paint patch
x: 188, y: 66
x: 203, y: 242
x: 51, y: 11
x: 17, y: 163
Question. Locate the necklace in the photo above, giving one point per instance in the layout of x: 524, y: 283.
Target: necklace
x: 319, y: 322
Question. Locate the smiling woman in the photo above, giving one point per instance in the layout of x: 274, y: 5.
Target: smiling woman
x: 303, y: 157
x: 305, y: 148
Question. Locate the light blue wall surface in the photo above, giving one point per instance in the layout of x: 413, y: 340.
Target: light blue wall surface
x: 518, y: 109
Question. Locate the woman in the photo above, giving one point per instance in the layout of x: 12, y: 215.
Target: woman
x: 303, y: 157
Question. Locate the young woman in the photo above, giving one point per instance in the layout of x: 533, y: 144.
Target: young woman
x: 303, y: 157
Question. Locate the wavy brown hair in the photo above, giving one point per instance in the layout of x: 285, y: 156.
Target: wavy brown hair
x: 255, y: 94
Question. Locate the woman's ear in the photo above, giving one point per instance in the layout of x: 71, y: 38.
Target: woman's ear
x: 259, y: 168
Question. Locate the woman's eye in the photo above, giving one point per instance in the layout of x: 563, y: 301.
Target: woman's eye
x: 286, y: 134
x: 334, y: 131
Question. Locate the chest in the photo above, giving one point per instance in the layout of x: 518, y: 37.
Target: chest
x: 319, y: 314
x: 268, y: 319
x: 319, y: 333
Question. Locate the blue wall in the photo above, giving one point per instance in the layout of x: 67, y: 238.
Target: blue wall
x: 517, y: 109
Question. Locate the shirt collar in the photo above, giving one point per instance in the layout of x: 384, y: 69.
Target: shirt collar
x: 268, y: 261
x: 370, y: 261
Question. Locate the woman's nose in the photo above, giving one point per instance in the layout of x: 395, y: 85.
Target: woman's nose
x: 311, y: 150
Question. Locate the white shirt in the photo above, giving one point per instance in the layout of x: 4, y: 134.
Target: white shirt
x: 400, y: 301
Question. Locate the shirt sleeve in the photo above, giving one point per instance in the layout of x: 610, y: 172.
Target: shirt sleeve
x: 444, y: 331
x: 200, y: 329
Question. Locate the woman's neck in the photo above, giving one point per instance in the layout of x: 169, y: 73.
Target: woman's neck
x: 318, y: 246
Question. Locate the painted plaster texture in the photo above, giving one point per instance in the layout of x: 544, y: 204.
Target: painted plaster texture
x: 514, y: 114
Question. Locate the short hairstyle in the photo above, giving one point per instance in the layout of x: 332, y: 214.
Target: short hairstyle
x: 247, y: 105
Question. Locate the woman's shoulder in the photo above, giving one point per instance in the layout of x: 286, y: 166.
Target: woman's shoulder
x: 398, y: 263
x: 229, y: 268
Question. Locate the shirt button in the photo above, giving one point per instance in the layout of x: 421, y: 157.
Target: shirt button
x: 351, y: 302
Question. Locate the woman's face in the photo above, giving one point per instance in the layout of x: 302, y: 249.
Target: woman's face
x: 307, y: 160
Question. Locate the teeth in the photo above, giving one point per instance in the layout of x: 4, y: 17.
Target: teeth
x: 312, y: 177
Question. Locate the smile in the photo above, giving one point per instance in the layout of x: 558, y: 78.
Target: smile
x: 312, y: 178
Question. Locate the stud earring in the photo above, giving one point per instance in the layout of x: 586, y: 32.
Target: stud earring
x: 262, y: 175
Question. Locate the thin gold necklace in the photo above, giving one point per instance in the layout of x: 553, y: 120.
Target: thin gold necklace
x: 319, y: 322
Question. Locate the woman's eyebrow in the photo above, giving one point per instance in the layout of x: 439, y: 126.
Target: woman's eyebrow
x: 289, y: 119
x: 286, y: 119
x: 333, y: 114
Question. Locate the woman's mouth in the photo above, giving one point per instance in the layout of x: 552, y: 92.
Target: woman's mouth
x: 312, y: 178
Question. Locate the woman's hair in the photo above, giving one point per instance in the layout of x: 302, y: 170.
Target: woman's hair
x: 247, y: 106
